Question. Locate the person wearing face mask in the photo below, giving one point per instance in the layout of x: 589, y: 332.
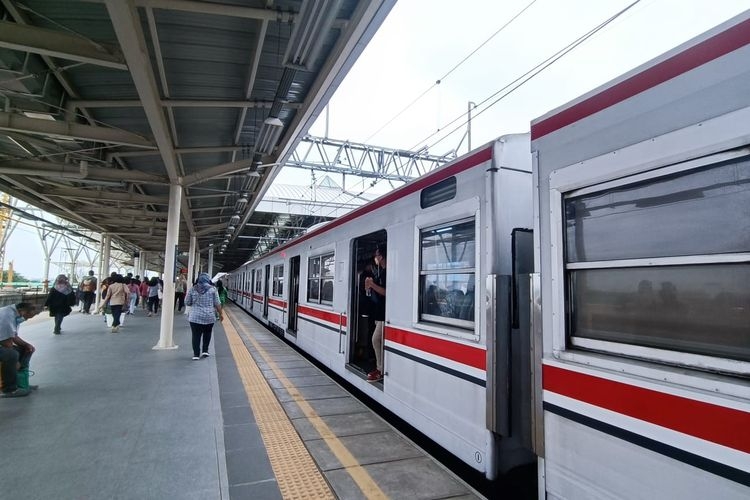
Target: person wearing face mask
x: 376, y: 287
x: 15, y: 353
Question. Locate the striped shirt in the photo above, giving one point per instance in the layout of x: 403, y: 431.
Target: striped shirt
x: 203, y: 305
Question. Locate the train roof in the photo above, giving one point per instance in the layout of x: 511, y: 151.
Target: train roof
x: 721, y: 40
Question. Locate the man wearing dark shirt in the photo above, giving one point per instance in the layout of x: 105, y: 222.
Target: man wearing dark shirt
x: 376, y: 286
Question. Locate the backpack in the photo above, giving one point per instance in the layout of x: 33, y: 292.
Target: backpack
x: 87, y: 285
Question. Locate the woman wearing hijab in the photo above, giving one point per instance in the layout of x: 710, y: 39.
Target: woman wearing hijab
x: 206, y: 306
x: 60, y: 300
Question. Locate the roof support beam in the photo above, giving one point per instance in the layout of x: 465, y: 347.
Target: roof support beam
x: 24, y: 190
x: 213, y: 9
x: 120, y: 212
x: 57, y: 44
x: 120, y: 223
x: 176, y: 103
x: 86, y: 194
x: 127, y: 26
x: 73, y: 172
x: 217, y: 171
x: 69, y: 130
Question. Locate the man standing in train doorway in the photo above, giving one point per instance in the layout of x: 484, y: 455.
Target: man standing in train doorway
x: 375, y: 288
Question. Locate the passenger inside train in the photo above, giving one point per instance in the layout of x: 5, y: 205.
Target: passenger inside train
x: 362, y: 355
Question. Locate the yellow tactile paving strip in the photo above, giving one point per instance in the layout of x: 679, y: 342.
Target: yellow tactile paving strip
x: 359, y: 475
x: 296, y: 473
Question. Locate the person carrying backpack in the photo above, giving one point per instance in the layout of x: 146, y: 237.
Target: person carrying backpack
x: 88, y: 291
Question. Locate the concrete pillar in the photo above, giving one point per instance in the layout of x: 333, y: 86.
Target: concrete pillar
x: 191, y: 260
x: 137, y: 264
x: 210, y: 264
x: 166, y: 334
x: 106, y: 247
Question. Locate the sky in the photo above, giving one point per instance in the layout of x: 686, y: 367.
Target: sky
x: 422, y: 42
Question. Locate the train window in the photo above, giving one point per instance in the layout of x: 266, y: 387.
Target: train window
x: 438, y: 193
x: 320, y: 279
x: 447, y: 273
x: 609, y: 225
x: 258, y: 281
x: 663, y: 263
x: 278, y: 281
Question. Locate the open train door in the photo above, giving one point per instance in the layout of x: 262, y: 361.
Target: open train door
x: 294, y: 264
x: 361, y: 358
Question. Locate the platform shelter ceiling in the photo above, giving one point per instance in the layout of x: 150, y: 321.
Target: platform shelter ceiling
x: 106, y: 103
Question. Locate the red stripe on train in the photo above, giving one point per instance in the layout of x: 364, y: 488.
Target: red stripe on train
x: 718, y: 424
x: 460, y: 353
x: 322, y: 315
x: 721, y: 44
x: 277, y: 302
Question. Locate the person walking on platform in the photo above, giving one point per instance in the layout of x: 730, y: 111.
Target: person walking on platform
x: 88, y: 290
x: 222, y: 292
x: 117, y: 296
x: 134, y: 289
x: 205, y: 308
x: 179, y: 293
x: 144, y: 293
x: 15, y: 353
x: 376, y: 286
x: 153, y: 296
x: 60, y: 301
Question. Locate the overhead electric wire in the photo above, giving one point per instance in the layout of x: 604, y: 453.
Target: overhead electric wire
x: 439, y: 80
x: 516, y: 83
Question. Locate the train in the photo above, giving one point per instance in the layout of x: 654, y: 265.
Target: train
x: 576, y: 297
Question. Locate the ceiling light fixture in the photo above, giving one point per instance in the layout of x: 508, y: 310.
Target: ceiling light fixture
x: 311, y: 26
x: 269, y: 135
x: 235, y: 219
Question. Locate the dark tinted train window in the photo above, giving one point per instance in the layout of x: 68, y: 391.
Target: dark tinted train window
x: 699, y: 212
x: 437, y: 193
x: 686, y: 284
x: 701, y: 309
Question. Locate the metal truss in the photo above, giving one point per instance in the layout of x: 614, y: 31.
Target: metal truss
x: 364, y: 160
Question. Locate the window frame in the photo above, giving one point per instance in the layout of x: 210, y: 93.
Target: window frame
x: 569, y: 182
x: 277, y: 289
x: 259, y: 280
x: 320, y: 278
x: 452, y: 327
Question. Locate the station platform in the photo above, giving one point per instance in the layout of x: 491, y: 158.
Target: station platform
x: 114, y: 418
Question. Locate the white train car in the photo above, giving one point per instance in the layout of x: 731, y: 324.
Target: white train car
x: 642, y: 238
x: 456, y: 352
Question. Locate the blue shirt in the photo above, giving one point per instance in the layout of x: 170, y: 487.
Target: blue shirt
x: 203, y: 305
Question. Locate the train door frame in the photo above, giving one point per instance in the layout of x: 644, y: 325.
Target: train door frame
x: 295, y: 264
x: 360, y: 357
x: 252, y: 288
x: 266, y: 273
